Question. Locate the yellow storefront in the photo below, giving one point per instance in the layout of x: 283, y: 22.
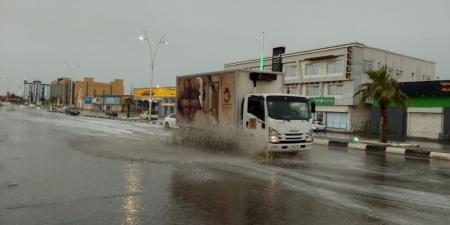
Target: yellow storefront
x: 166, y: 97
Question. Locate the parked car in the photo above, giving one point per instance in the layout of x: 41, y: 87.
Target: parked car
x: 318, y: 126
x: 170, y: 121
x: 111, y: 113
x: 72, y: 111
x: 52, y: 109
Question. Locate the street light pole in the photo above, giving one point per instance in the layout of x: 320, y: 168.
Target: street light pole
x: 152, y: 54
x: 71, y: 70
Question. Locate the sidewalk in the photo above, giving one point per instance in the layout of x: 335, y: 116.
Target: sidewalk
x: 438, y: 146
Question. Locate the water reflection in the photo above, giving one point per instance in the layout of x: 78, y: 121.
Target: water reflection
x: 132, y: 202
x: 238, y: 201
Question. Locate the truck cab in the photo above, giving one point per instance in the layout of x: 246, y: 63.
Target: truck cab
x: 283, y: 121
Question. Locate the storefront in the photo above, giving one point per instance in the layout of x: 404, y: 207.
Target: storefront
x: 427, y: 114
x: 333, y: 116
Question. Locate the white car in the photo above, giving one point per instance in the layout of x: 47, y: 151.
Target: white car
x: 145, y: 115
x: 170, y: 121
x: 318, y: 126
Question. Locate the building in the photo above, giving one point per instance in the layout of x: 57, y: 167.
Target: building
x: 60, y: 89
x: 12, y: 98
x: 36, y: 92
x: 88, y: 88
x: 81, y: 93
x: 427, y: 114
x: 165, y: 97
x: 332, y: 75
x: 115, y: 103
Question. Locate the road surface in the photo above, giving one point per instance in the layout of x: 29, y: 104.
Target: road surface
x: 59, y: 169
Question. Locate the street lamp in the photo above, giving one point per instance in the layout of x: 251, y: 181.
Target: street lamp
x: 152, y: 54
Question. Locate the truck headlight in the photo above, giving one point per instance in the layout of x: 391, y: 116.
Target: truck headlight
x: 309, y: 137
x: 273, y: 136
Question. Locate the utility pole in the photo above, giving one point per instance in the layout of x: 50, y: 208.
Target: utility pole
x: 152, y: 54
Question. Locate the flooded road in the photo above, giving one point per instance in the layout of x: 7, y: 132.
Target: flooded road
x: 58, y: 169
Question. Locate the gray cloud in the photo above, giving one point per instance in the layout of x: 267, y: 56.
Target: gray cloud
x: 37, y: 37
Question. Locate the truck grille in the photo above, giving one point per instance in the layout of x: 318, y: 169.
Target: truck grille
x: 292, y: 138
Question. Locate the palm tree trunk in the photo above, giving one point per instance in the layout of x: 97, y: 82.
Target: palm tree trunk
x: 383, y: 120
x: 128, y: 110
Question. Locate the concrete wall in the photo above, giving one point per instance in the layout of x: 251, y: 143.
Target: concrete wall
x: 359, y: 117
x: 413, y: 69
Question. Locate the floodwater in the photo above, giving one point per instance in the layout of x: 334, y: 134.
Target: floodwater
x: 59, y: 169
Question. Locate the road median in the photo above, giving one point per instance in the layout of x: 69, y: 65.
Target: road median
x: 385, y: 149
x: 122, y: 119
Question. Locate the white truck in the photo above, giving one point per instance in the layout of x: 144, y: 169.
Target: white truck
x: 248, y: 104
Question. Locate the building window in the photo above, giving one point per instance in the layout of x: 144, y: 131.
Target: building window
x: 367, y: 66
x: 390, y: 70
x: 399, y: 73
x: 334, y: 66
x: 312, y: 91
x: 291, y: 89
x: 312, y: 68
x: 335, y: 89
x: 337, y: 120
x: 290, y: 71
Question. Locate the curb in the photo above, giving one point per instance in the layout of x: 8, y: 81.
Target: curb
x: 384, y: 149
x: 122, y: 119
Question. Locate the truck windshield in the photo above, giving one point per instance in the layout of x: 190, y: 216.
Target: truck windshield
x: 288, y: 108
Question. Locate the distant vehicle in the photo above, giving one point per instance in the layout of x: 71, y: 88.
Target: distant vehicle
x: 52, y: 109
x: 170, y: 121
x: 145, y: 115
x: 72, y: 111
x: 32, y: 105
x: 318, y: 126
x: 111, y: 113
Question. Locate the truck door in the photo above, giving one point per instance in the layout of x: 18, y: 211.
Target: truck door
x: 254, y: 114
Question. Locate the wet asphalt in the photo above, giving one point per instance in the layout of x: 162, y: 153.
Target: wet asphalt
x: 59, y: 169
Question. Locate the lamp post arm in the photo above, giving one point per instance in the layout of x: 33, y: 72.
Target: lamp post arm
x: 157, y: 47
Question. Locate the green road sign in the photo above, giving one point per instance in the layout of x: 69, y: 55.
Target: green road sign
x: 323, y: 100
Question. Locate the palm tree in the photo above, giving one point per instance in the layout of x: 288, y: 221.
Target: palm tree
x: 128, y: 102
x: 384, y: 89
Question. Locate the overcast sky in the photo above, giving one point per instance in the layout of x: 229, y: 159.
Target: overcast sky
x: 37, y: 37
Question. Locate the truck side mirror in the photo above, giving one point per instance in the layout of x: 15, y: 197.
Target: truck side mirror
x: 313, y: 107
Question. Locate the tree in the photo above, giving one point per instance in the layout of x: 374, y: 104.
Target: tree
x: 384, y: 89
x: 52, y: 100
x: 128, y: 102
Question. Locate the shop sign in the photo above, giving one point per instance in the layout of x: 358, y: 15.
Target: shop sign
x: 87, y: 100
x: 323, y: 100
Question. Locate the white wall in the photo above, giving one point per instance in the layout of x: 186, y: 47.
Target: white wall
x: 359, y: 118
x: 422, y: 69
